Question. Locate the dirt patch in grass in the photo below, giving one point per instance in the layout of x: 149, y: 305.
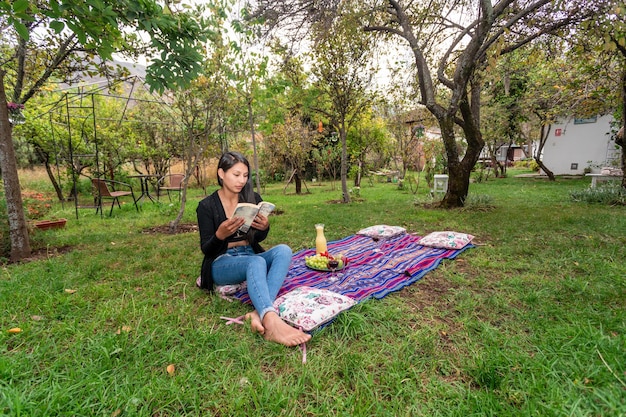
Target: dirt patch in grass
x: 50, y: 252
x: 432, y: 288
x: 352, y: 200
x: 165, y: 229
x: 44, y: 253
x: 427, y: 292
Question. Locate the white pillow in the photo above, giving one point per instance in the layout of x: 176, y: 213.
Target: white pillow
x: 382, y: 231
x: 308, y: 308
x: 446, y: 240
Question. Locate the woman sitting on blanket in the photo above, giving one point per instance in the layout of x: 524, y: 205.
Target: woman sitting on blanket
x: 231, y: 257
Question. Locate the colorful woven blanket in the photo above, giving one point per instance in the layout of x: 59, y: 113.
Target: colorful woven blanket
x: 374, y: 269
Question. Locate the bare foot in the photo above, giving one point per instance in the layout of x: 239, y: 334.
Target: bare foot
x: 276, y: 330
x: 255, y: 322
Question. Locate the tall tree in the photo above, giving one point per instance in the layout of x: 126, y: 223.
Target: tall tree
x: 555, y: 91
x: 342, y: 63
x: 290, y: 95
x: 155, y: 127
x: 367, y: 136
x: 564, y: 81
x: 247, y: 70
x: 203, y: 105
x: 608, y: 33
x: 451, y: 41
x: 42, y: 38
x: 502, y: 112
x: 290, y: 144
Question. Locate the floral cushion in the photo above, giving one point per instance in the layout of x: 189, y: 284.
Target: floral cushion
x: 308, y: 308
x: 227, y: 290
x: 446, y: 240
x: 382, y: 231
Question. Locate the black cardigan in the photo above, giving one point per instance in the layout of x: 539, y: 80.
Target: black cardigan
x: 211, y: 214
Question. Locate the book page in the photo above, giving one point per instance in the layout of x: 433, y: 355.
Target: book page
x: 248, y: 212
x: 265, y: 208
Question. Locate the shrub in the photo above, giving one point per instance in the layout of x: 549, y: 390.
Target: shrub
x: 529, y: 163
x: 481, y: 174
x: 478, y: 202
x: 609, y: 194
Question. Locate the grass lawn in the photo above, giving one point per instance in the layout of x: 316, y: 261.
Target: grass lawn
x: 531, y: 321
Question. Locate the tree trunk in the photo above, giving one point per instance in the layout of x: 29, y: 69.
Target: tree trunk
x: 545, y: 169
x: 43, y: 155
x: 192, y: 159
x: 542, y: 142
x: 53, y: 180
x: 459, y: 177
x: 298, y: 181
x: 344, y: 163
x: 173, y: 225
x: 256, y: 158
x: 459, y: 170
x: 623, y: 167
x: 18, y: 230
x: 458, y: 187
x: 357, y: 178
x: 621, y: 139
x: 495, y: 165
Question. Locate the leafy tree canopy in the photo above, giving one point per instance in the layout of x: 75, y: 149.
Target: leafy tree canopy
x: 104, y: 27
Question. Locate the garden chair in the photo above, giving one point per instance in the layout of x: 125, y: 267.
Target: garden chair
x: 107, y: 189
x: 169, y: 183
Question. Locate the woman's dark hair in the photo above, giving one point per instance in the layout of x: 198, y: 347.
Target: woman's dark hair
x: 227, y: 161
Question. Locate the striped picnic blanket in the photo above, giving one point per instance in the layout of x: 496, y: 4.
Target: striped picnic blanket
x: 374, y: 270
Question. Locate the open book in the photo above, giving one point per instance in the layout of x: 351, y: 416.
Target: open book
x: 249, y: 211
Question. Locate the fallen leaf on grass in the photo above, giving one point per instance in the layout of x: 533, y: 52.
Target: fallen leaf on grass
x: 15, y: 330
x: 36, y: 318
x: 125, y: 329
x: 171, y: 369
x: 69, y: 291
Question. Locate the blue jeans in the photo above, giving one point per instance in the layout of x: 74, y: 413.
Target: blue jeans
x: 264, y: 272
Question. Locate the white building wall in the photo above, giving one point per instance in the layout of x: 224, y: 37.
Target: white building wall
x: 575, y: 144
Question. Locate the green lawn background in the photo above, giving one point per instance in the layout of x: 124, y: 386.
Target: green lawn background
x: 529, y: 322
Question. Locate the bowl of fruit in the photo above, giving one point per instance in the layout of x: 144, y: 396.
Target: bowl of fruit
x: 326, y: 262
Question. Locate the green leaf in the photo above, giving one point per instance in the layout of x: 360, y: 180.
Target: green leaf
x: 21, y: 29
x: 20, y: 6
x: 54, y: 6
x: 57, y: 26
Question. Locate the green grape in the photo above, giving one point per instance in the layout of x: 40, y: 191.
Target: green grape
x: 317, y: 262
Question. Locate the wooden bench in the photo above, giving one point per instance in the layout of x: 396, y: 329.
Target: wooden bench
x: 595, y: 178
